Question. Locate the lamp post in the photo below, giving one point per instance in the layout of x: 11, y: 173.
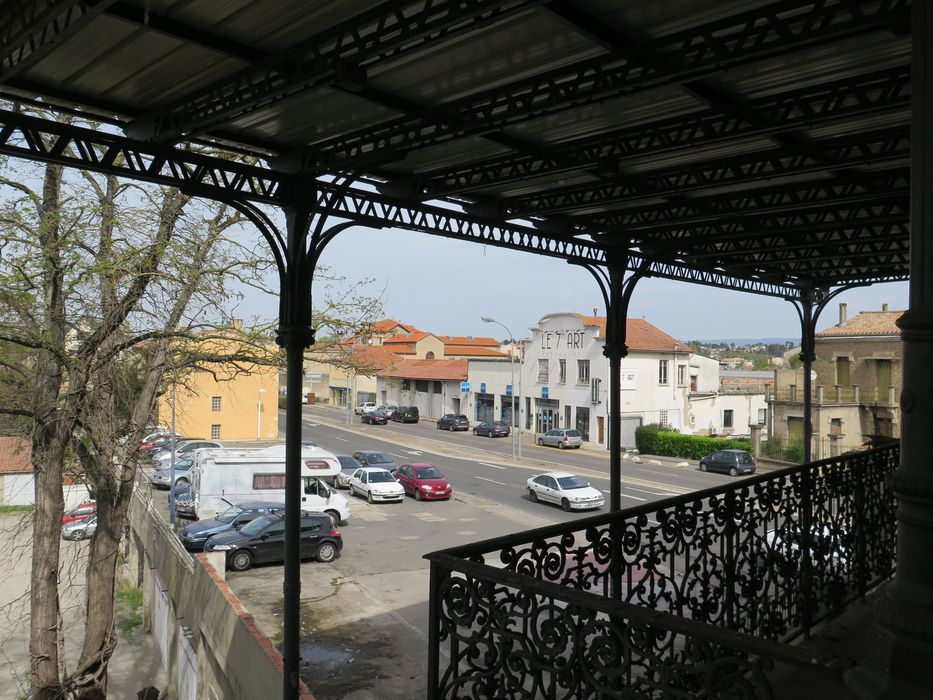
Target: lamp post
x: 259, y: 414
x: 171, y: 481
x: 517, y: 435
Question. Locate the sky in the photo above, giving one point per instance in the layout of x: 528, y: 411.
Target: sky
x: 445, y: 286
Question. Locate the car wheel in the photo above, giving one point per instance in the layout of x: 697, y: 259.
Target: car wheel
x: 417, y: 495
x: 334, y: 517
x: 702, y: 466
x: 241, y: 560
x: 451, y: 428
x: 327, y: 552
x: 78, y: 535
x: 533, y: 495
x: 733, y: 471
x: 540, y: 442
x: 369, y: 497
x: 475, y: 432
x: 560, y: 445
x: 489, y: 434
x: 181, y: 482
x: 565, y: 505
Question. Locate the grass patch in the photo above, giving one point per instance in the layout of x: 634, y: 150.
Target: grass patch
x: 15, y: 509
x: 128, y: 608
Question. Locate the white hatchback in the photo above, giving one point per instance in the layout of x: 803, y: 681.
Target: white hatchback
x: 376, y: 484
x: 568, y: 491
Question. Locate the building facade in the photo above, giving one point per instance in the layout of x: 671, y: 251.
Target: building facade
x: 855, y: 385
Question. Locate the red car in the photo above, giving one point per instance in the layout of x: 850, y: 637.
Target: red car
x: 80, y: 512
x: 423, y: 481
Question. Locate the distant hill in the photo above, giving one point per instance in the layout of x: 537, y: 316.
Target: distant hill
x: 748, y: 341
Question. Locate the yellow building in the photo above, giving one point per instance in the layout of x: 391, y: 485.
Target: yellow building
x: 224, y: 403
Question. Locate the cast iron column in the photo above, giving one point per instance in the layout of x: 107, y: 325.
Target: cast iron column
x: 907, y: 609
x: 807, y: 356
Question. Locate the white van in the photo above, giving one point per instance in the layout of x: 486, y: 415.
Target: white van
x: 220, y: 477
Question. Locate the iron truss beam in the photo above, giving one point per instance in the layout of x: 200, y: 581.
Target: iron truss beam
x: 385, y: 31
x: 760, y: 201
x: 855, y: 96
x: 886, y: 145
x: 23, y: 136
x: 30, y: 29
x: 686, y: 55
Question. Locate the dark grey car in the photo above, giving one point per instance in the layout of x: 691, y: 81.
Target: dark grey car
x: 196, y: 534
x: 453, y: 421
x: 492, y: 428
x: 731, y: 462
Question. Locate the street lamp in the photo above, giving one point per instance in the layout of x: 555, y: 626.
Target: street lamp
x: 259, y: 414
x: 517, y: 435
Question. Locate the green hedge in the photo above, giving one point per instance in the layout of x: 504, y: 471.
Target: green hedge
x: 656, y: 440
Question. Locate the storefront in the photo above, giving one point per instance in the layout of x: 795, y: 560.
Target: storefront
x: 485, y: 407
x: 547, y: 415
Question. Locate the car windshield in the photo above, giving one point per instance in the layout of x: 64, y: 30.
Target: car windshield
x: 258, y: 525
x: 380, y: 477
x: 745, y: 458
x: 572, y: 482
x: 378, y: 458
x: 428, y: 473
x: 228, y: 515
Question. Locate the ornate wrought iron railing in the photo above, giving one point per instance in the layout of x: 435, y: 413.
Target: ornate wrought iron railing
x: 672, y: 597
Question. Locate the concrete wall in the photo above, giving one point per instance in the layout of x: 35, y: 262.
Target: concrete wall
x: 209, y: 644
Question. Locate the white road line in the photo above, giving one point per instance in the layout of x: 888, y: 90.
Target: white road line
x: 494, y: 466
x: 337, y: 437
x: 399, y: 456
x: 653, y: 493
x: 490, y: 480
x: 625, y: 495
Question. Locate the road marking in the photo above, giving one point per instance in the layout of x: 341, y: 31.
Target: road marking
x: 413, y: 452
x: 311, y: 425
x: 467, y: 520
x: 466, y: 532
x: 659, y: 492
x: 409, y: 537
x: 625, y: 495
x: 490, y: 480
x: 494, y: 466
x: 337, y: 437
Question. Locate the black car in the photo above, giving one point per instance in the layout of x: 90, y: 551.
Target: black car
x: 731, y: 462
x: 453, y: 421
x: 196, y: 534
x: 374, y: 417
x: 406, y: 414
x: 263, y: 540
x: 372, y: 458
x: 492, y: 428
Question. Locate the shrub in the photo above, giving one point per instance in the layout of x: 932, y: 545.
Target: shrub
x: 282, y: 402
x: 657, y: 440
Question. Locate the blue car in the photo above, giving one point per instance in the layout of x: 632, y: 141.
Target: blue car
x: 196, y: 534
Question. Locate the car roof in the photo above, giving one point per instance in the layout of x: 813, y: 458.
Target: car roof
x: 260, y: 504
x: 732, y: 449
x: 417, y: 464
x: 374, y: 469
x: 370, y: 452
x: 557, y: 475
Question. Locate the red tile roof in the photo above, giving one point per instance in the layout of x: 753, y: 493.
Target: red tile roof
x: 639, y: 334
x: 406, y: 338
x: 469, y: 341
x: 427, y: 369
x: 473, y: 352
x: 866, y: 323
x: 15, y: 455
x: 387, y: 324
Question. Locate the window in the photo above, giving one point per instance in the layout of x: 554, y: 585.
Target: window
x: 583, y: 371
x: 215, y: 431
x: 422, y: 385
x: 406, y: 385
x: 835, y: 426
x: 762, y: 416
x: 215, y: 403
x: 843, y: 367
x: 542, y: 371
x: 438, y: 388
x: 429, y: 355
x: 268, y: 482
x: 662, y: 417
x: 562, y: 379
x: 662, y: 371
x: 681, y: 375
x: 727, y: 418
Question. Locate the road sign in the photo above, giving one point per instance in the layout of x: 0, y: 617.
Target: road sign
x: 464, y: 387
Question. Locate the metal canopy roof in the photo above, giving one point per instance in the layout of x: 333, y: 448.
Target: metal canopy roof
x: 759, y: 145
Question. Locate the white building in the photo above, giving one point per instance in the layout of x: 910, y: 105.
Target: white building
x: 565, y: 382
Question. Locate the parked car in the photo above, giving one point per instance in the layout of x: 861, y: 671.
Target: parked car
x: 348, y: 465
x: 568, y: 491
x: 80, y: 512
x: 376, y: 484
x: 405, y: 414
x: 183, y: 448
x: 162, y: 477
x: 263, y: 540
x: 156, y: 442
x: 184, y: 504
x: 80, y: 529
x: 561, y: 438
x: 374, y: 417
x: 194, y: 536
x: 423, y: 481
x: 387, y: 408
x: 363, y: 407
x: 492, y: 428
x: 374, y: 458
x: 831, y: 545
x: 731, y: 462
x: 453, y: 421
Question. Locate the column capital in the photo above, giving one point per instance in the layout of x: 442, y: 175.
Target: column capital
x: 615, y: 349
x: 916, y: 325
x: 286, y: 335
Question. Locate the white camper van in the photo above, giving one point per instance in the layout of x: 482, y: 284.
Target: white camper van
x: 223, y: 476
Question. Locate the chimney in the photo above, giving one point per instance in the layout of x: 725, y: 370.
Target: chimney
x: 595, y: 312
x: 842, y: 314
x: 884, y: 307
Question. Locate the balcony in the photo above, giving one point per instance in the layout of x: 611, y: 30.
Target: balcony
x: 701, y: 595
x: 827, y: 395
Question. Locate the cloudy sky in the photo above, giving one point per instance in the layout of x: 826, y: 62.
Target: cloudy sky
x: 445, y: 286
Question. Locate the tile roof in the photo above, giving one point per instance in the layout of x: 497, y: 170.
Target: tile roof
x: 15, y: 455
x: 469, y: 341
x: 865, y: 323
x: 406, y: 338
x: 639, y: 334
x: 427, y: 369
x: 474, y: 352
x: 387, y: 324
